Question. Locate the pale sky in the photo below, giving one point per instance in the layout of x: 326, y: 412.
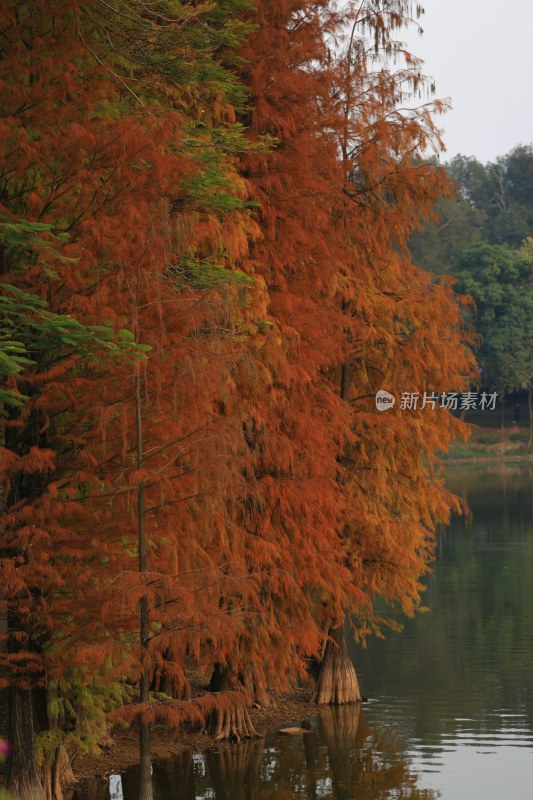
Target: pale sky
x: 480, y: 54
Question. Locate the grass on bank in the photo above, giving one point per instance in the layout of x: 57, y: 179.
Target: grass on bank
x: 492, y: 445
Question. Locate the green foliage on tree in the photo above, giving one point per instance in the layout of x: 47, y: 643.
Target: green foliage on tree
x: 28, y: 328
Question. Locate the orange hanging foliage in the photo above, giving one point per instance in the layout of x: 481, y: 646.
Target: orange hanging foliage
x: 155, y: 214
x: 243, y: 449
x: 346, y: 488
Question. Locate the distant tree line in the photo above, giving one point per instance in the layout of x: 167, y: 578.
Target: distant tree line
x: 482, y: 236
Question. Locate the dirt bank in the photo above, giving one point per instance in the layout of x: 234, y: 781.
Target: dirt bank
x: 287, y: 709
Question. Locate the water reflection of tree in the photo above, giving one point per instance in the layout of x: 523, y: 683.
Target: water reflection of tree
x: 175, y: 778
x: 93, y: 789
x: 339, y: 759
x: 312, y: 746
x: 132, y: 787
x: 470, y: 658
x: 235, y: 769
x: 365, y: 764
x: 293, y: 768
x: 253, y: 771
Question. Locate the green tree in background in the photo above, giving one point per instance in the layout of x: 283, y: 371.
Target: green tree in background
x: 493, y: 203
x: 500, y: 280
x: 481, y: 236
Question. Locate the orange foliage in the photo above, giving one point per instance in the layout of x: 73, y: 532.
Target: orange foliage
x: 277, y: 498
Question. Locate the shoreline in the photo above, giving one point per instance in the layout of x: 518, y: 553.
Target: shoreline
x: 488, y: 459
x: 123, y: 752
x: 490, y: 446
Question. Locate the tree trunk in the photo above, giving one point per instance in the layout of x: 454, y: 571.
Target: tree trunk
x: 261, y: 696
x: 166, y: 686
x: 346, y: 379
x: 530, y: 409
x: 502, y: 414
x: 162, y: 681
x: 145, y: 766
x: 59, y: 775
x: 337, y: 681
x: 22, y: 775
x: 145, y: 774
x: 232, y: 722
x: 256, y: 690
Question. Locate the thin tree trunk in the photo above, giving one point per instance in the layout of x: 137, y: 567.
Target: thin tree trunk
x: 530, y: 409
x: 502, y: 414
x: 337, y: 680
x: 58, y: 776
x: 346, y: 379
x: 145, y: 776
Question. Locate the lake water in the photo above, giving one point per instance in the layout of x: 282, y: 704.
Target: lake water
x: 450, y: 710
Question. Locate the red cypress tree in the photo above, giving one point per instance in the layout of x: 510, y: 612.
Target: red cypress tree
x: 339, y: 196
x: 149, y: 199
x: 298, y: 430
x: 236, y: 489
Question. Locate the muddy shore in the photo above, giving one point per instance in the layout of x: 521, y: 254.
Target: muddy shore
x: 287, y: 709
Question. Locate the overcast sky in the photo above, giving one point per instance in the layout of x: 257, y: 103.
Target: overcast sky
x: 480, y: 53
